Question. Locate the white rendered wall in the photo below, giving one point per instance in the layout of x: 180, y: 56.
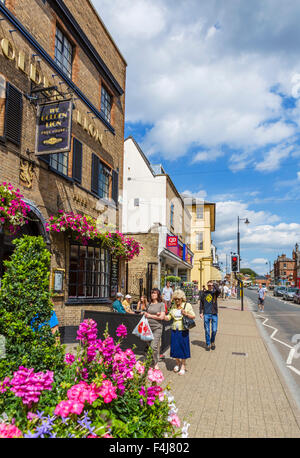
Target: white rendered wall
x: 150, y: 190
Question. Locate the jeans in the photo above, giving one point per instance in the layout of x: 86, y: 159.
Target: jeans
x: 209, y: 317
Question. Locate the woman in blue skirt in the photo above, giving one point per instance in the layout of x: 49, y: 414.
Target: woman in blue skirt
x: 180, y: 340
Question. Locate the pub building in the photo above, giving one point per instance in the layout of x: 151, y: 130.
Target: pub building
x: 62, y: 103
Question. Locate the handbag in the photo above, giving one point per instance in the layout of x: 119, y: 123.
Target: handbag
x: 143, y: 330
x: 188, y: 323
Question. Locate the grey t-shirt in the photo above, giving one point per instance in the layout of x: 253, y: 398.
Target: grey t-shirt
x: 153, y: 309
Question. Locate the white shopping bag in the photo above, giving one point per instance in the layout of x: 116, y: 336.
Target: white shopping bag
x: 143, y: 330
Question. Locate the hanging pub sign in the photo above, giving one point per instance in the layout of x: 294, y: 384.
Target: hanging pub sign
x: 172, y: 240
x: 53, y: 130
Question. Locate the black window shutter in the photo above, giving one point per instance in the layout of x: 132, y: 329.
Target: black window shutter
x: 13, y: 115
x: 95, y: 173
x: 115, y: 186
x: 77, y: 160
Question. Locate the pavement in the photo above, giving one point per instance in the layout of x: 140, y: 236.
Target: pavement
x: 236, y: 390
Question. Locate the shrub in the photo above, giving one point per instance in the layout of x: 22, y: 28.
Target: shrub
x: 25, y: 304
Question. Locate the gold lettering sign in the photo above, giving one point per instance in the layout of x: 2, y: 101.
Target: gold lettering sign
x: 38, y: 78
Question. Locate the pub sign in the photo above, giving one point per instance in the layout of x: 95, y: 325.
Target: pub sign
x: 53, y: 130
x: 172, y: 240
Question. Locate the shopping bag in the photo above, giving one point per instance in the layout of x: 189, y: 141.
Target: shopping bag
x: 143, y: 330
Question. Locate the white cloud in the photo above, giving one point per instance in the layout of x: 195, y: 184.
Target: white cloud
x: 199, y: 81
x: 259, y: 261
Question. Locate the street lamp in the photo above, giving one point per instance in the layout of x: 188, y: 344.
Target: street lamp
x: 238, y: 233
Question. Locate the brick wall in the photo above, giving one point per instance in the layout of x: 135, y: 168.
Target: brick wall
x: 49, y: 191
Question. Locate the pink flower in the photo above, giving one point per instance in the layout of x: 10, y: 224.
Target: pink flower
x: 4, y: 384
x: 65, y: 408
x: 107, y: 391
x: 28, y: 385
x: 69, y: 359
x: 174, y: 420
x: 121, y: 331
x: 9, y: 431
x: 155, y: 375
x: 139, y: 367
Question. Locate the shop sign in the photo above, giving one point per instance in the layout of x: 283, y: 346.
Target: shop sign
x: 53, y: 130
x: 172, y: 241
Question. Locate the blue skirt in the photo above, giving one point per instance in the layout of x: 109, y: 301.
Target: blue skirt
x: 180, y: 344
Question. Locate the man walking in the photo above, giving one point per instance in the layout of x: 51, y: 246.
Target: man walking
x: 261, y: 298
x: 209, y: 310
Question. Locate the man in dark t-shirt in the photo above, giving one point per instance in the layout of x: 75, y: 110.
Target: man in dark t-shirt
x: 209, y: 310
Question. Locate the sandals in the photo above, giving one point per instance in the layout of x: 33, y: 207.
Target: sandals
x: 181, y: 372
x: 176, y: 369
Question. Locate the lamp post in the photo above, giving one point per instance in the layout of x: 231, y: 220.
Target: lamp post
x: 240, y: 290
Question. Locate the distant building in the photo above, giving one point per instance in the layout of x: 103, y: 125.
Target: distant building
x: 296, y: 257
x: 284, y: 271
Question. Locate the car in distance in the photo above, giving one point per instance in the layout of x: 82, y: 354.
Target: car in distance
x: 253, y: 287
x: 288, y: 295
x: 296, y: 297
x: 277, y: 289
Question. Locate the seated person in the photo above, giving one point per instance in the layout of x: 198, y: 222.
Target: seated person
x: 117, y: 304
x: 126, y: 304
x: 142, y: 304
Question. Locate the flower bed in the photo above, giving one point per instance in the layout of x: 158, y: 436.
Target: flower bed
x: 84, y: 229
x: 13, y: 210
x: 103, y: 392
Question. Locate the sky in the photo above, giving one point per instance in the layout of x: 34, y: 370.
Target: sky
x: 213, y: 94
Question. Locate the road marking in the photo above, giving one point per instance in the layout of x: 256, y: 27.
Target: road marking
x: 274, y: 332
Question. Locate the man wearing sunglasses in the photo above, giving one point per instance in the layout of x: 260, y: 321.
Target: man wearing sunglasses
x: 209, y: 310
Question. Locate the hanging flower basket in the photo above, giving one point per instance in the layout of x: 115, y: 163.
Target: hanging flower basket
x: 83, y: 229
x: 13, y: 210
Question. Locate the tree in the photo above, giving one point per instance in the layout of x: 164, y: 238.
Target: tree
x: 25, y: 303
x: 248, y: 271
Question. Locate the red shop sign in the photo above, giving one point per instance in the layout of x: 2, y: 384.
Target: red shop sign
x: 172, y: 240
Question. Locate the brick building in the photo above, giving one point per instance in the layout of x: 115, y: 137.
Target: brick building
x: 54, y: 50
x: 284, y: 271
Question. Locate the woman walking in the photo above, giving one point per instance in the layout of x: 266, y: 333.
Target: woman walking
x: 155, y: 315
x: 180, y: 339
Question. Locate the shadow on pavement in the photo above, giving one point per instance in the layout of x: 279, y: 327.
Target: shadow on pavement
x: 199, y: 343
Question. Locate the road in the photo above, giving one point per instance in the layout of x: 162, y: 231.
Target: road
x: 281, y: 322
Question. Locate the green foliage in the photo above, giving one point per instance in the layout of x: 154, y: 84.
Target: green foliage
x: 173, y: 279
x: 25, y: 304
x: 248, y: 271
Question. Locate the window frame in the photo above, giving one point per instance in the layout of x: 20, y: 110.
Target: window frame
x: 104, y: 189
x: 172, y: 212
x: 84, y: 278
x: 198, y: 246
x: 64, y: 42
x: 56, y: 170
x: 2, y: 136
x: 108, y: 101
x: 200, y: 207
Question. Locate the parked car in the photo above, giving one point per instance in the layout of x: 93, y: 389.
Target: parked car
x: 278, y: 289
x: 253, y: 287
x: 296, y: 297
x: 288, y: 295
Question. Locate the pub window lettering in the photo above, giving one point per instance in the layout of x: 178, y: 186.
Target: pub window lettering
x: 89, y: 275
x: 106, y: 104
x: 63, y: 53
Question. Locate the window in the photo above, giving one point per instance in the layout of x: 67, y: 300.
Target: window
x: 2, y: 104
x: 172, y: 215
x: 106, y: 103
x: 63, y: 53
x: 59, y: 162
x: 89, y: 274
x: 199, y: 241
x: 137, y: 202
x: 77, y: 160
x: 13, y: 115
x: 100, y: 178
x: 199, y: 211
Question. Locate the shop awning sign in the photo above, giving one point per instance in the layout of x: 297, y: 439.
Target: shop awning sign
x: 172, y: 240
x: 53, y: 129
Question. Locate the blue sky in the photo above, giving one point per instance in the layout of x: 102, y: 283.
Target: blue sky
x: 213, y: 93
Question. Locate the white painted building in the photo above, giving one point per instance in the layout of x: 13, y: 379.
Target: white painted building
x: 152, y: 204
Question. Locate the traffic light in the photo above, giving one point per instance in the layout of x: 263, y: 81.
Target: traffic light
x: 235, y: 263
